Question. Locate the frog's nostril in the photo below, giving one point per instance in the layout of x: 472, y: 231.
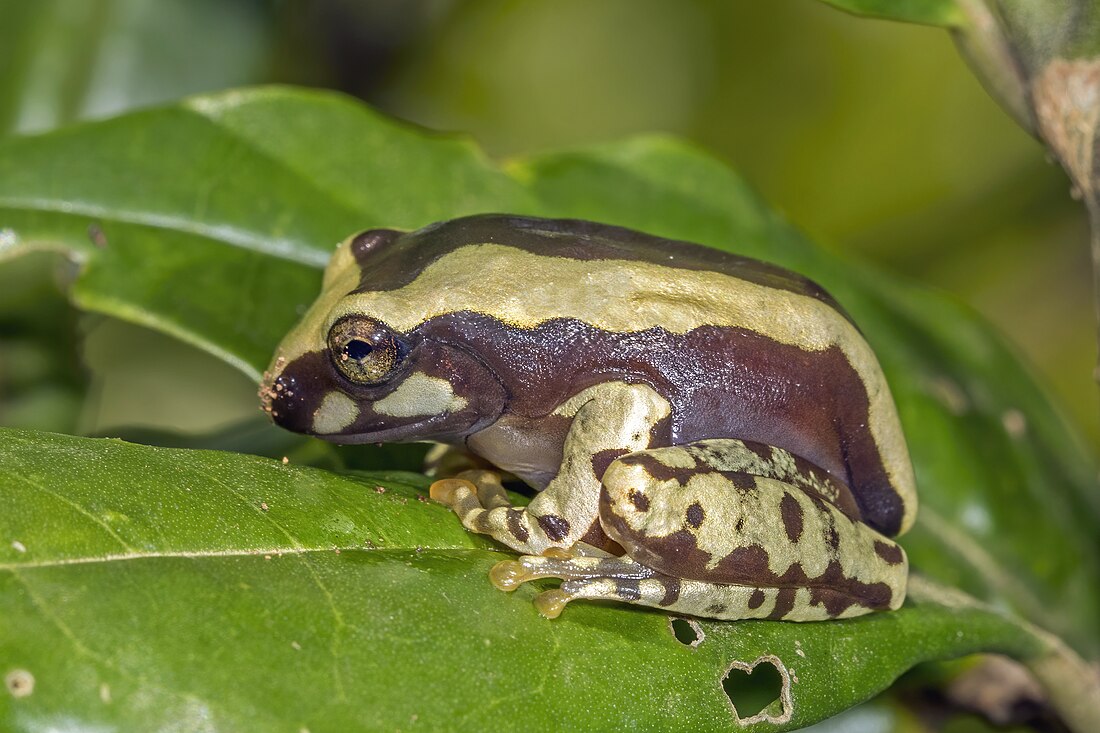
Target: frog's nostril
x: 277, y: 396
x: 291, y: 392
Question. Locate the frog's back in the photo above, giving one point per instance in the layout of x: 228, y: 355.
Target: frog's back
x: 740, y: 348
x: 405, y: 258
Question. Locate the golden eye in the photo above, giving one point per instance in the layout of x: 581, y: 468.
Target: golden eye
x: 364, y: 350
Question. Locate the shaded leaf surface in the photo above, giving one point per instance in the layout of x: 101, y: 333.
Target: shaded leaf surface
x: 211, y: 221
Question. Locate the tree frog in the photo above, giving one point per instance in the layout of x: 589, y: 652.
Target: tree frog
x: 708, y: 434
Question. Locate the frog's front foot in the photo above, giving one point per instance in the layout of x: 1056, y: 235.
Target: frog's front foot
x: 470, y: 491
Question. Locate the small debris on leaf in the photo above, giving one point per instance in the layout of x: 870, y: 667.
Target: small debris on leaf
x: 20, y: 682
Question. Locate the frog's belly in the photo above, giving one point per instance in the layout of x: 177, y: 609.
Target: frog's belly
x: 529, y: 448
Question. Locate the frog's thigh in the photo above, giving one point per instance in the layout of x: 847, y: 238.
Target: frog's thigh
x: 744, y: 545
x: 610, y: 419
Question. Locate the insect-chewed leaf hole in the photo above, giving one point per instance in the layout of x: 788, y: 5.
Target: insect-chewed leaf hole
x: 759, y: 691
x: 687, y: 631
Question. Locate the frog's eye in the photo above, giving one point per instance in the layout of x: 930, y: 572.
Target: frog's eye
x: 364, y: 350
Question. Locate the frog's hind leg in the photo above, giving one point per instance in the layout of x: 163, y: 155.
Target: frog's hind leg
x: 595, y: 577
x: 627, y: 581
x: 752, y: 530
x: 726, y: 529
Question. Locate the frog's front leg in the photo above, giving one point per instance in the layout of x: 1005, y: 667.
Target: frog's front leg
x: 608, y: 420
x: 726, y: 529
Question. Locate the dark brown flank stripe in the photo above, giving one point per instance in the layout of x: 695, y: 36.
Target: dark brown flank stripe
x: 555, y: 527
x: 889, y: 552
x: 792, y: 516
x: 390, y: 262
x: 815, y: 406
x: 756, y: 600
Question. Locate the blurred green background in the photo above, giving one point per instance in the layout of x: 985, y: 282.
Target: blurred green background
x: 872, y: 136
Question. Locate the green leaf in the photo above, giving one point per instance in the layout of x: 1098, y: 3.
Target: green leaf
x: 256, y: 186
x: 57, y: 54
x: 145, y: 587
x: 210, y: 220
x: 945, y: 13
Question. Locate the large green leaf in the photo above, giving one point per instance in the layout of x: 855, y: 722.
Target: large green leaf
x: 150, y: 587
x: 210, y: 220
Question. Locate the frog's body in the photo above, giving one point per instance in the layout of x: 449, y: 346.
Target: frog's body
x: 715, y: 425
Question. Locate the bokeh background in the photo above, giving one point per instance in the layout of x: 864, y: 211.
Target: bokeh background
x: 874, y: 137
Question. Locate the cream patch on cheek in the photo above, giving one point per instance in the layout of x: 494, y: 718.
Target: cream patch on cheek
x: 420, y: 395
x: 336, y: 412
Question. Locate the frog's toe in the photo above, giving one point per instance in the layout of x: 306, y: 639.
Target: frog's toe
x: 508, y: 575
x: 550, y: 603
x: 451, y: 491
x: 488, y: 488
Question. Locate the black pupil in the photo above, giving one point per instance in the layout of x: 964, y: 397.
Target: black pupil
x: 358, y: 349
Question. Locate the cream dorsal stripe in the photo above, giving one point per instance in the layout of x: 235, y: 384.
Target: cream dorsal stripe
x: 614, y: 295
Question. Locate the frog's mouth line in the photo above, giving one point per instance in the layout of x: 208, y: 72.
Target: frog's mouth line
x: 418, y: 407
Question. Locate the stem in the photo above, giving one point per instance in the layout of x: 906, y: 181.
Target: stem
x: 1066, y: 98
x: 1072, y: 683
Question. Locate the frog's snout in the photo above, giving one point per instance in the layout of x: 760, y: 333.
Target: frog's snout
x: 267, y: 392
x: 287, y: 397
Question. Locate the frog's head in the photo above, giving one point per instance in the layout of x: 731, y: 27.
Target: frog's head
x: 348, y: 374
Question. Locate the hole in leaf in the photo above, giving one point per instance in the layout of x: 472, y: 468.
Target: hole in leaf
x: 752, y: 689
x: 686, y: 631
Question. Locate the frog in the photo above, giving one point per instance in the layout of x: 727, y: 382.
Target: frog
x: 703, y: 433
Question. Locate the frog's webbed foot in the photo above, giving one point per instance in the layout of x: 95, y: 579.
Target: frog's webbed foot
x: 483, y: 506
x: 596, y: 577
